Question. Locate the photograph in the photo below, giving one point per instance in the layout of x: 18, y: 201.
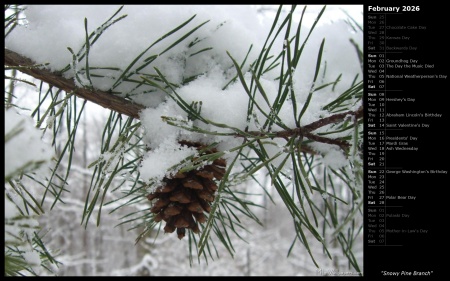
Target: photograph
x: 217, y: 140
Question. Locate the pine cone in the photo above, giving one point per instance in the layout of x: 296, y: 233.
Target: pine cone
x: 182, y: 199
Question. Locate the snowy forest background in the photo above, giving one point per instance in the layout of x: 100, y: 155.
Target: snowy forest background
x: 110, y: 249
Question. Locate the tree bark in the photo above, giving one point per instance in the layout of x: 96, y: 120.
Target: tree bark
x: 105, y: 99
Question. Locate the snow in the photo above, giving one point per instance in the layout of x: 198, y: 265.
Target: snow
x: 25, y: 151
x: 230, y: 28
x: 158, y: 163
x: 335, y: 159
x: 11, y: 210
x: 46, y: 39
x: 19, y: 230
x: 25, y: 146
x: 52, y: 29
x: 32, y: 257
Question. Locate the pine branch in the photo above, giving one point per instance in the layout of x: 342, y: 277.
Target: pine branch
x: 305, y: 131
x: 333, y: 119
x: 128, y: 108
x: 104, y: 99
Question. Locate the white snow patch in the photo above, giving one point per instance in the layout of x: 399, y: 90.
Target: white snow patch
x: 25, y: 146
x: 158, y: 162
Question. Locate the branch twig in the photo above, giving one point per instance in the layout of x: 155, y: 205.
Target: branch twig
x: 305, y: 131
x: 104, y: 99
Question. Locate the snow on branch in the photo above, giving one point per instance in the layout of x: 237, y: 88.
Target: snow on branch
x: 105, y: 99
